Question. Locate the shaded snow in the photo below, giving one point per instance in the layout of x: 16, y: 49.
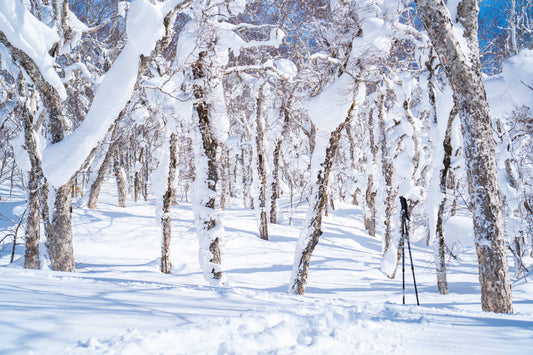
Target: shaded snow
x: 117, y: 302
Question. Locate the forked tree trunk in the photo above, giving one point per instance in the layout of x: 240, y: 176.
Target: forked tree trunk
x: 464, y: 74
x: 166, y: 220
x: 313, y: 224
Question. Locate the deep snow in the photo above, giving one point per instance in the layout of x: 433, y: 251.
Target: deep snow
x: 117, y: 302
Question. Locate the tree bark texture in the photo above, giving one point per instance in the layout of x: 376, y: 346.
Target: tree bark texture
x: 59, y: 238
x: 370, y: 194
x: 387, y: 171
x: 35, y: 180
x: 166, y: 220
x: 275, y: 173
x: 464, y: 75
x: 210, y: 223
x: 261, y: 165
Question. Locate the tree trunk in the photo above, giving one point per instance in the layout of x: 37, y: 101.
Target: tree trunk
x: 35, y: 178
x: 440, y: 244
x: 224, y: 180
x: 275, y: 172
x: 370, y: 195
x: 313, y: 225
x: 122, y: 190
x: 59, y: 235
x: 261, y: 165
x: 245, y: 179
x: 209, y: 226
x: 387, y: 171
x: 464, y: 75
x: 96, y: 186
x: 167, y: 201
x: 137, y: 182
x: 370, y: 199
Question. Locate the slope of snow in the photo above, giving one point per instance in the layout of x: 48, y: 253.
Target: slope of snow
x: 117, y: 302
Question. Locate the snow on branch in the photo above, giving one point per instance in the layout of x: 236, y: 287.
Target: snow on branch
x: 145, y: 27
x: 284, y: 69
x: 21, y: 30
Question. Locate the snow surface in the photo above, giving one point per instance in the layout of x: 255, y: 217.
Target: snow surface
x: 117, y: 302
x: 518, y: 75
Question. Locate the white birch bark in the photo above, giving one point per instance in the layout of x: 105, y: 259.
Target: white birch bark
x: 462, y: 68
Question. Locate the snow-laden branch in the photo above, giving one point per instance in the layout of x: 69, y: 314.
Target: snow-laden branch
x: 284, y: 69
x: 247, y: 26
x: 21, y: 30
x: 145, y: 27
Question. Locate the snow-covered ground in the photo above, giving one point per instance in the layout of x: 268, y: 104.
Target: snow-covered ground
x: 117, y: 302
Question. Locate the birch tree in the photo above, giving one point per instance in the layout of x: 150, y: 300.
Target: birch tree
x: 463, y: 70
x: 66, y: 155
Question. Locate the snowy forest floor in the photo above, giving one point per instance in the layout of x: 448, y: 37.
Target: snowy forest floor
x: 117, y: 301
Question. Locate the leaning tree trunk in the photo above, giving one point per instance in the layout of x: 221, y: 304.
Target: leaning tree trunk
x: 167, y: 201
x: 97, y: 184
x: 313, y: 224
x: 464, y: 74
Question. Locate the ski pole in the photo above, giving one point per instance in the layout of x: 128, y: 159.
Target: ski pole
x: 403, y: 269
x: 413, y: 269
x: 405, y: 235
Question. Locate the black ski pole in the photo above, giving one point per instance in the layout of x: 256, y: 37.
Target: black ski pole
x: 403, y: 269
x: 413, y: 270
x: 405, y: 235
